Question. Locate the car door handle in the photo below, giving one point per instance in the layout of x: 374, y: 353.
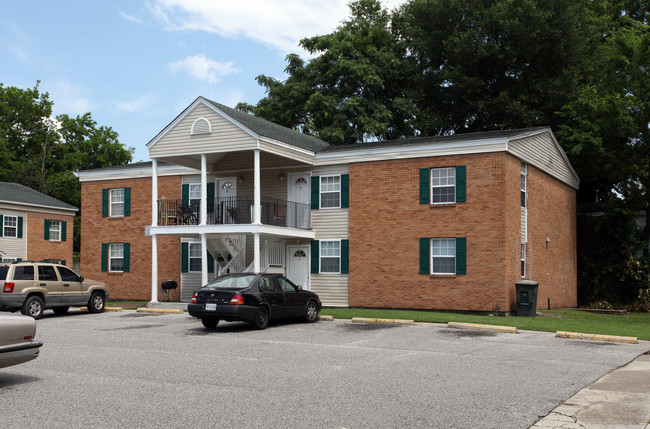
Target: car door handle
x: 66, y: 284
x: 42, y: 284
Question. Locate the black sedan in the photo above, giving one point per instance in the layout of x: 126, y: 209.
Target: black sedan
x: 253, y: 298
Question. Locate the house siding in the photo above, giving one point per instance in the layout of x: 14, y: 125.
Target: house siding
x: 15, y: 247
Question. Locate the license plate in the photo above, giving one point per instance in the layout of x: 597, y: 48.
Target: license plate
x: 210, y: 307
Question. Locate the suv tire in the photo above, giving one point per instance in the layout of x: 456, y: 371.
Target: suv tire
x: 33, y: 306
x: 96, y: 303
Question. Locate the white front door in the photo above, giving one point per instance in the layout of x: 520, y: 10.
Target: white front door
x: 226, y: 194
x: 299, y: 192
x: 298, y: 265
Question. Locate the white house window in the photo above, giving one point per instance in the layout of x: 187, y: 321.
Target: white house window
x: 443, y: 251
x: 195, y: 194
x: 330, y: 257
x: 524, y: 175
x: 523, y: 259
x: 194, y: 254
x: 117, y: 202
x: 55, y: 230
x: 330, y: 191
x: 10, y: 227
x: 443, y: 185
x: 116, y: 257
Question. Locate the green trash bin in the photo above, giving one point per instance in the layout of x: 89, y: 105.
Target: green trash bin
x: 526, y: 298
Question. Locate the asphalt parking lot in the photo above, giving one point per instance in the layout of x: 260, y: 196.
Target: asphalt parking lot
x: 128, y: 369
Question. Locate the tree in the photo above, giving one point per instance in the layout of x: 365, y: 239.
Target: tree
x: 352, y: 91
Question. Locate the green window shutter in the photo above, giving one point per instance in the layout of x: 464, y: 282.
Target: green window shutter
x: 345, y: 190
x: 184, y: 257
x: 127, y: 201
x: 461, y: 183
x: 127, y: 257
x: 315, y: 259
x: 425, y: 255
x: 46, y: 229
x: 461, y: 255
x: 2, y: 225
x: 425, y: 186
x: 345, y: 256
x: 210, y: 263
x: 64, y: 230
x: 104, y: 202
x: 104, y: 256
x: 315, y: 192
x: 210, y: 192
x: 185, y: 194
x: 63, y: 262
x: 19, y: 233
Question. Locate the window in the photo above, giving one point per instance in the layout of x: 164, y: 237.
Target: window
x: 443, y: 251
x: 524, y: 174
x: 117, y: 202
x: 443, y: 185
x: 330, y: 256
x: 24, y: 272
x: 285, y: 285
x: 46, y: 273
x: 10, y: 226
x: 116, y: 257
x: 55, y: 230
x: 330, y: 191
x: 195, y: 257
x: 195, y: 193
x: 67, y: 275
x: 523, y: 259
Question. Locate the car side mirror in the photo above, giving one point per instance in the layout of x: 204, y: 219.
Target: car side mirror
x: 81, y: 278
x: 299, y: 288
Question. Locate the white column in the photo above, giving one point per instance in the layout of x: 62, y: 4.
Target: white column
x: 204, y: 260
x: 257, y: 193
x: 204, y: 191
x: 256, y: 253
x: 154, y: 192
x: 154, y: 269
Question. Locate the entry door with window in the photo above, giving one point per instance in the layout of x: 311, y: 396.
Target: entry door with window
x: 298, y: 210
x: 298, y: 265
x: 226, y: 194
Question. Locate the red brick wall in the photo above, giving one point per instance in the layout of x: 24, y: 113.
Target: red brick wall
x: 387, y: 221
x: 38, y: 248
x: 95, y: 230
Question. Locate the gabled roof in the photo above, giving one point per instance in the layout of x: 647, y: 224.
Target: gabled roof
x: 15, y: 193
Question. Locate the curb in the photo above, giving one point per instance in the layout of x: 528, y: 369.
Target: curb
x: 159, y: 310
x: 105, y: 309
x: 384, y: 321
x: 596, y: 337
x: 506, y: 329
x: 326, y: 318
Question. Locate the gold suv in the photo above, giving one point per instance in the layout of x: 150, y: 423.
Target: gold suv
x: 33, y: 286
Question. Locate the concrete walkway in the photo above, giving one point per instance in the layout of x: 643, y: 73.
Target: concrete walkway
x: 619, y: 400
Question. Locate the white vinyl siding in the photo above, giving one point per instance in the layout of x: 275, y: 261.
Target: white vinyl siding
x: 332, y: 290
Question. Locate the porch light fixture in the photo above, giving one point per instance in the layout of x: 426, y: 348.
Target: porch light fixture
x: 281, y: 176
x: 241, y: 179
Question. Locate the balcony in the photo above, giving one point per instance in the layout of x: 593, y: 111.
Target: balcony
x: 235, y: 211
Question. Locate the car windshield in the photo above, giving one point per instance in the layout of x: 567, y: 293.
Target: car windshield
x: 232, y: 282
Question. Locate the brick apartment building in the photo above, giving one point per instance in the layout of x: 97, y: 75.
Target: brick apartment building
x: 34, y: 226
x: 449, y: 222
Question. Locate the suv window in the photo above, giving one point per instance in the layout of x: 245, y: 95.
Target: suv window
x: 46, y: 273
x: 3, y: 273
x: 67, y: 275
x: 24, y: 272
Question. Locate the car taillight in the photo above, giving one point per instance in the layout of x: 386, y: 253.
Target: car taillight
x: 193, y: 300
x: 28, y: 337
x: 9, y: 287
x: 237, y: 300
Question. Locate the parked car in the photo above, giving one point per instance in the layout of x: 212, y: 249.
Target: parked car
x: 33, y: 286
x: 17, y: 343
x: 253, y: 298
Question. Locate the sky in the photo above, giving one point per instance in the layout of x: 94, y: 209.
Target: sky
x: 135, y: 65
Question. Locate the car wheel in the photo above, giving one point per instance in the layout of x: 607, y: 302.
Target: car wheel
x: 261, y: 319
x: 60, y: 310
x: 96, y: 303
x: 33, y: 307
x: 311, y: 314
x: 210, y: 323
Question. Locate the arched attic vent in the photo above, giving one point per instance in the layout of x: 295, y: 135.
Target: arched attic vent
x: 201, y: 126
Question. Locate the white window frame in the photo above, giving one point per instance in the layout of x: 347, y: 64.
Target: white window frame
x: 190, y: 247
x: 522, y: 259
x: 5, y: 225
x: 524, y: 185
x: 321, y: 256
x: 194, y: 189
x: 55, y: 230
x: 114, y: 202
x: 446, y: 185
x: 330, y: 188
x: 446, y: 256
x: 115, y: 252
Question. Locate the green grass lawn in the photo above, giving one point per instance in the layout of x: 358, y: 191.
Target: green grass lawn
x: 630, y: 325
